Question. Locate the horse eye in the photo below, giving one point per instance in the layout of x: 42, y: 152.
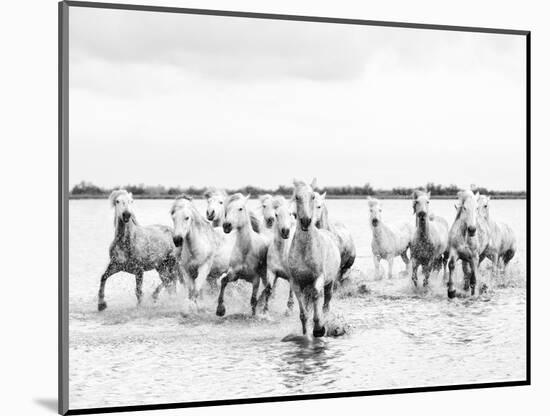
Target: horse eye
x: 186, y: 218
x: 240, y: 209
x: 221, y: 202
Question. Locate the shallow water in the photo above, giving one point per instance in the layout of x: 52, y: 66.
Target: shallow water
x: 399, y: 336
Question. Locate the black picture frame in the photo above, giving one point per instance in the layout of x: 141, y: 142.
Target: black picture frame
x: 63, y: 205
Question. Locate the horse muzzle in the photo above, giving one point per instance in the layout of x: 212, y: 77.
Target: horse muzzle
x: 178, y: 240
x: 269, y: 222
x: 305, y: 223
x: 126, y: 216
x: 285, y: 233
x: 227, y: 227
x: 209, y: 215
x: 374, y: 222
x: 471, y: 231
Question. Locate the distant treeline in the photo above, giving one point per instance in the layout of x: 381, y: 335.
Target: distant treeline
x: 89, y: 190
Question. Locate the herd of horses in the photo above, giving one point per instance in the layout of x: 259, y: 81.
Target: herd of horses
x: 295, y: 240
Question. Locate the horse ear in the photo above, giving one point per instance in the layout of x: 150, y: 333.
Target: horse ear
x: 295, y: 182
x: 324, y: 195
x: 414, y: 207
x: 429, y: 193
x: 246, y: 198
x: 488, y: 197
x: 457, y: 207
x: 314, y: 183
x: 477, y: 195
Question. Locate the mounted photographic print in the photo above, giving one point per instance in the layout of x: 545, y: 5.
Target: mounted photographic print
x: 262, y: 207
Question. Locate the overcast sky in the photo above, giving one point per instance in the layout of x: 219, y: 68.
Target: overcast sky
x: 174, y: 99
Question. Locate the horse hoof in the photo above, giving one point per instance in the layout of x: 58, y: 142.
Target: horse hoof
x: 101, y: 306
x: 451, y: 293
x: 220, y: 311
x: 319, y: 332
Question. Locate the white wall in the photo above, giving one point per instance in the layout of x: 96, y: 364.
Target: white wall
x: 28, y: 166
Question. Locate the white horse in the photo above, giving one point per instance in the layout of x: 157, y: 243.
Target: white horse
x: 345, y: 243
x: 249, y: 254
x: 388, y: 241
x: 214, y: 205
x: 277, y: 253
x: 204, y: 252
x: 429, y: 247
x: 502, y: 241
x: 136, y: 249
x: 468, y: 239
x: 313, y: 260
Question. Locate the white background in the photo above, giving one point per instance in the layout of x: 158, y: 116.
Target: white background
x: 28, y: 232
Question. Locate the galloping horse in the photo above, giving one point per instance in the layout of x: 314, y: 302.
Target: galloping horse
x: 468, y: 239
x: 313, y: 260
x: 137, y: 249
x: 502, y: 241
x: 346, y: 246
x: 249, y: 255
x: 214, y: 205
x: 277, y: 253
x: 388, y: 241
x: 429, y: 247
x: 204, y: 253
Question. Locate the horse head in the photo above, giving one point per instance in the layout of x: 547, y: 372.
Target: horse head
x: 268, y: 212
x: 236, y: 214
x: 320, y: 210
x: 304, y: 199
x: 214, y: 204
x: 122, y: 201
x: 483, y: 206
x: 375, y: 210
x: 467, y: 210
x: 284, y: 220
x: 421, y: 205
x: 182, y: 215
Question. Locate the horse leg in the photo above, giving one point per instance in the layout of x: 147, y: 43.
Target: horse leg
x: 290, y: 301
x: 139, y: 284
x: 328, y: 297
x: 302, y: 306
x: 406, y: 260
x: 467, y: 274
x: 268, y: 288
x: 451, y: 291
x: 254, y: 297
x: 414, y: 271
x: 474, y: 264
x: 506, y: 257
x: 390, y: 267
x: 426, y: 270
x: 318, y: 328
x: 376, y: 260
x: 266, y: 293
x: 112, y: 268
x: 202, y: 274
x: 229, y: 277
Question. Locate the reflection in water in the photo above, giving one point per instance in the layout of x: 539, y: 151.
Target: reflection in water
x: 305, y: 358
x: 400, y: 337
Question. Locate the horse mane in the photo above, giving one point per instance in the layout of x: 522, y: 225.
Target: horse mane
x: 372, y: 201
x: 198, y: 219
x: 262, y: 198
x: 116, y: 193
x: 279, y: 201
x: 210, y: 192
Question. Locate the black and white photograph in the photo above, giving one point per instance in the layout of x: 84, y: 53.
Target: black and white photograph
x: 267, y: 208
